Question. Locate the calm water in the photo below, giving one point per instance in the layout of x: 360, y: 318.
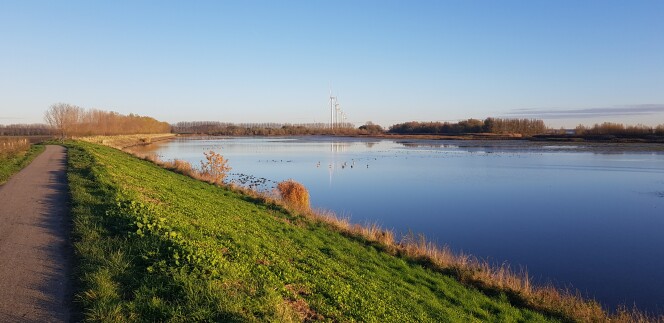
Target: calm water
x: 587, y: 217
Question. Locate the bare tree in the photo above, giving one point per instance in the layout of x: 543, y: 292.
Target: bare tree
x: 62, y: 117
x: 69, y: 120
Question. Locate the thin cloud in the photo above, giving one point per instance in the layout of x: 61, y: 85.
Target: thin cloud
x: 631, y: 110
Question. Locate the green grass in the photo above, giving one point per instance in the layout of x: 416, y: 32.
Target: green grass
x: 12, y: 164
x: 153, y: 245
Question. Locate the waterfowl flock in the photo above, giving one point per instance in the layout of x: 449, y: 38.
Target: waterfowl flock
x: 252, y: 182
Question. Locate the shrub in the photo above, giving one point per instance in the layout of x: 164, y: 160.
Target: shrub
x: 215, y: 168
x: 294, y: 194
x: 371, y: 128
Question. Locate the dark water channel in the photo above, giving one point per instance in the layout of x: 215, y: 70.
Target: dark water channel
x: 590, y: 217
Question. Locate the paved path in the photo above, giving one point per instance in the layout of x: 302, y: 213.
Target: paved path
x: 34, y: 249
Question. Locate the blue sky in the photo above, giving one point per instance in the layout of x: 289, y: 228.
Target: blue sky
x: 569, y: 62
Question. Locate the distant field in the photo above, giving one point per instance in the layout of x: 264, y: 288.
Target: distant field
x: 153, y: 245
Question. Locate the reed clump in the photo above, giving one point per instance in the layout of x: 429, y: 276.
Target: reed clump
x: 180, y: 166
x: 473, y: 272
x: 294, y: 194
x: 11, y: 146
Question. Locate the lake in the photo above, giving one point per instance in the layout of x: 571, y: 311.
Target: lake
x: 586, y: 216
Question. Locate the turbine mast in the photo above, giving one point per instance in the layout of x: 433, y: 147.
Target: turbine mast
x: 337, y: 115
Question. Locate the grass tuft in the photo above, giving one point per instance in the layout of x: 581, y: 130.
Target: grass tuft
x: 294, y: 194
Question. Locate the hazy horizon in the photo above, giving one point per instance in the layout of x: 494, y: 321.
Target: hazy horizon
x: 389, y: 62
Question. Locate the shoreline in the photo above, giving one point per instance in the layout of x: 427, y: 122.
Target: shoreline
x: 464, y: 269
x: 423, y: 257
x: 255, y: 260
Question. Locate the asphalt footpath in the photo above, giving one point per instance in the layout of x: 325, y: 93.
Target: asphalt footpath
x: 35, y: 254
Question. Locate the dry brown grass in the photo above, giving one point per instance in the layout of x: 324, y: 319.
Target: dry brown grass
x: 566, y: 304
x: 11, y: 145
x: 299, y: 305
x: 294, y: 194
x: 125, y: 141
x: 303, y: 311
x: 179, y: 166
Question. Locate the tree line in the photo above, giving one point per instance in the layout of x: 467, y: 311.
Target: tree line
x: 489, y: 125
x: 619, y: 129
x: 68, y: 120
x: 259, y: 129
x: 34, y: 129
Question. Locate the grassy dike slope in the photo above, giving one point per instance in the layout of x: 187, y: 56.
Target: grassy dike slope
x: 153, y: 245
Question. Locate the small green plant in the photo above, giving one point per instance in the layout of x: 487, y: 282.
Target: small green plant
x: 294, y: 194
x: 215, y: 168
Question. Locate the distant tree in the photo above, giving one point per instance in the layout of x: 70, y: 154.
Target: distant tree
x: 471, y: 125
x: 371, y: 128
x: 580, y: 130
x: 617, y: 130
x: 62, y: 117
x: 259, y: 129
x: 490, y: 125
x: 660, y: 130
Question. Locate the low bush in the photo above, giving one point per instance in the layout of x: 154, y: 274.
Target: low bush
x: 215, y: 168
x: 294, y: 193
